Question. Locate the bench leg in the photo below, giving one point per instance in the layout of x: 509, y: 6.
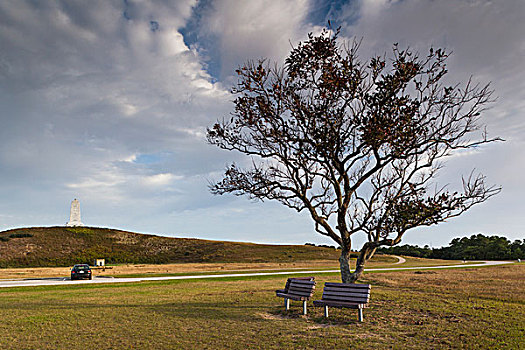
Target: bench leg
x: 287, y: 304
x: 304, y: 307
x: 326, y: 311
x: 360, y: 315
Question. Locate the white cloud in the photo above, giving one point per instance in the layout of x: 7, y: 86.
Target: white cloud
x: 130, y: 159
x: 105, y: 101
x: 486, y: 38
x: 160, y: 179
x: 87, y: 87
x: 255, y: 29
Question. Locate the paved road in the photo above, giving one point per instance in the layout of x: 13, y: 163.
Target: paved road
x: 400, y: 260
x: 67, y: 281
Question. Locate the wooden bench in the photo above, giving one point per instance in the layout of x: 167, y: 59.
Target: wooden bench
x: 287, y: 285
x: 345, y: 295
x: 297, y: 289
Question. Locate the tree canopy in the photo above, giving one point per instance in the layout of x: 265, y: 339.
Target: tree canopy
x: 355, y: 143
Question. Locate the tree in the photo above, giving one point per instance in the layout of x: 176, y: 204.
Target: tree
x: 356, y: 144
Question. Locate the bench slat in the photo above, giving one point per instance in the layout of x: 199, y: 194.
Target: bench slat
x: 339, y: 304
x: 343, y: 285
x: 345, y: 288
x: 343, y: 299
x: 328, y: 293
x: 293, y: 296
x: 346, y: 291
x: 302, y: 283
x: 343, y: 294
x: 352, y: 300
x: 300, y: 289
x: 301, y: 293
x: 301, y: 286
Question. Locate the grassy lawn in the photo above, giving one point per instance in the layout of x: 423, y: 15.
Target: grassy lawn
x: 124, y: 270
x: 458, y: 308
x: 181, y: 269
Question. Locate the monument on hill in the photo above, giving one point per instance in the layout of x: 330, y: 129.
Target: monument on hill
x: 74, y: 214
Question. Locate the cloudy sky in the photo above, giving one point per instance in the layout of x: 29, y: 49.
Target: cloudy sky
x: 108, y: 102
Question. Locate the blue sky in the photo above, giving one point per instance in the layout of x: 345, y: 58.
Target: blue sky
x: 108, y: 102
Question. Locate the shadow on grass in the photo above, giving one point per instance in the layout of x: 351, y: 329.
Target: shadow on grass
x: 315, y: 315
x: 195, y: 310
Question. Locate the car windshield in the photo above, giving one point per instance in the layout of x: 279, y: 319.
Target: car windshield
x: 81, y: 267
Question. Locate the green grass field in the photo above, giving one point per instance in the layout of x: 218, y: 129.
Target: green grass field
x: 470, y: 308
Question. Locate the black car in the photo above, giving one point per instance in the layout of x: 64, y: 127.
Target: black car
x: 81, y: 271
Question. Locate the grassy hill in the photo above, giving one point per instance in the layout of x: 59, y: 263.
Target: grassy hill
x: 65, y: 246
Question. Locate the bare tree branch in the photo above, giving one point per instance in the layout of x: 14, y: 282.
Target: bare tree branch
x: 355, y: 143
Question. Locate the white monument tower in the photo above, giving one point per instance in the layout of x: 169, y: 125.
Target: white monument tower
x: 74, y: 214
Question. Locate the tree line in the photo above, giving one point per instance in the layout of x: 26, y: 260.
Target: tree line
x: 477, y: 247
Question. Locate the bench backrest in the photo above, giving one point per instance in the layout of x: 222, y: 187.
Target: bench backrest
x: 347, y: 292
x: 301, y: 288
x: 287, y: 286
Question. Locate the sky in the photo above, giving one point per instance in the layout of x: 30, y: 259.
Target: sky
x: 109, y: 101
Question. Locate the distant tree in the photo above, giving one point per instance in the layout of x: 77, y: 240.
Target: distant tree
x: 355, y: 143
x: 408, y: 250
x: 478, y: 247
x: 475, y: 247
x: 518, y: 249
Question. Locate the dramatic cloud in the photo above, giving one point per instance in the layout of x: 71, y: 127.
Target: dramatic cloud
x: 84, y: 87
x: 486, y: 39
x: 487, y: 42
x: 237, y: 26
x: 108, y: 102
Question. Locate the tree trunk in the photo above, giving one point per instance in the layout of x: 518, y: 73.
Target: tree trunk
x: 359, y: 268
x: 344, y: 264
x: 366, y: 254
